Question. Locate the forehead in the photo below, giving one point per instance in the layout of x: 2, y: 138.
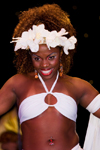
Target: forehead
x: 44, y: 50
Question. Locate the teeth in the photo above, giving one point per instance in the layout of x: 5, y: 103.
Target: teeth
x: 46, y: 72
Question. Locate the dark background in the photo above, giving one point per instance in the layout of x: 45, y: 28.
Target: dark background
x: 85, y: 17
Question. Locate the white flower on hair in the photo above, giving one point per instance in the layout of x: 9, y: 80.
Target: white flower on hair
x: 39, y: 35
x: 55, y: 38
x: 69, y: 44
x: 25, y: 41
x: 31, y: 39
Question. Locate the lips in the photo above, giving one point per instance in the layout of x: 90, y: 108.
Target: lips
x: 46, y: 72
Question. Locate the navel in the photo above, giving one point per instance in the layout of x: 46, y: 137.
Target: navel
x: 51, y: 141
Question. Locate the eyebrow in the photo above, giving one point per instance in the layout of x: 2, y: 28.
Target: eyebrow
x: 52, y: 54
x: 47, y: 56
x: 35, y: 55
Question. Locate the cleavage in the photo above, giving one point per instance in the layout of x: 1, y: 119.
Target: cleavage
x: 50, y: 99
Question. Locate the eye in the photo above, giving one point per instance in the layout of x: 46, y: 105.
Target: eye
x: 36, y: 58
x: 51, y: 57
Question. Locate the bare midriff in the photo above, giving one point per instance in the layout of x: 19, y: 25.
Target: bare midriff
x: 49, y: 131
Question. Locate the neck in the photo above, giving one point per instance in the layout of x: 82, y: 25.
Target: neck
x: 50, y: 84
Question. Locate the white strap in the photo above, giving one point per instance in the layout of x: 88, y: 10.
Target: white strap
x: 54, y: 83
x: 94, y: 105
x: 44, y: 85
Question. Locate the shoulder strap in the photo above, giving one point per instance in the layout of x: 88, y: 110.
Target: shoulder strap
x: 44, y: 85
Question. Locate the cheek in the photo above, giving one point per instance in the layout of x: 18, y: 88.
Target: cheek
x: 35, y: 64
x: 55, y: 62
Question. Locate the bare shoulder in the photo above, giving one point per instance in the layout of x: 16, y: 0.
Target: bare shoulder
x: 80, y: 84
x: 16, y: 83
x: 76, y: 81
x: 11, y: 82
x: 84, y: 91
x: 8, y: 95
x: 13, y: 90
x: 19, y: 78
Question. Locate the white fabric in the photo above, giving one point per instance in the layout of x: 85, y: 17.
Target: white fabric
x: 94, y: 105
x: 77, y: 147
x: 35, y: 105
x: 92, y: 139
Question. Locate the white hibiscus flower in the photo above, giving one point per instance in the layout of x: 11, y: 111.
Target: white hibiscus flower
x: 39, y: 35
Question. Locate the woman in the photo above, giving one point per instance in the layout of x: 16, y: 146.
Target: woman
x: 47, y: 98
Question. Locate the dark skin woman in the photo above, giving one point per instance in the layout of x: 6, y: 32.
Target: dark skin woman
x: 49, y: 130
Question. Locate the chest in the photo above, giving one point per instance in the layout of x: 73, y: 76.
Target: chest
x: 37, y: 104
x: 32, y: 88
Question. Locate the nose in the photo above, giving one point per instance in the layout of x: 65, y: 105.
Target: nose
x: 45, y: 63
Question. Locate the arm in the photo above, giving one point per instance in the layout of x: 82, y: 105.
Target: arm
x: 92, y: 137
x: 88, y: 96
x: 7, y: 96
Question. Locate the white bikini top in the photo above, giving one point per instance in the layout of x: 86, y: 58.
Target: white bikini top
x: 35, y: 105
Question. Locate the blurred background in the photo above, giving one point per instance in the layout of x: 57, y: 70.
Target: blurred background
x: 85, y: 17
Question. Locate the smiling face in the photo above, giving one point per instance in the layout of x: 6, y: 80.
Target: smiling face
x: 46, y: 61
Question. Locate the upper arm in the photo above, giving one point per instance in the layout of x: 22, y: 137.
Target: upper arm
x: 7, y: 96
x: 88, y: 95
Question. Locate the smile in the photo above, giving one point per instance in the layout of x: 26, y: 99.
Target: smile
x: 46, y: 72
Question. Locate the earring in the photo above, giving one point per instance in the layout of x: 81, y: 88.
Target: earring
x: 61, y: 70
x: 36, y: 74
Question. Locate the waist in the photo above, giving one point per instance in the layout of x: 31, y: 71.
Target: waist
x: 42, y: 143
x: 76, y: 147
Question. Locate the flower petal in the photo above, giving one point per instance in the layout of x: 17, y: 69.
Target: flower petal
x: 62, y: 32
x: 66, y: 50
x: 20, y: 44
x: 34, y: 48
x: 72, y: 40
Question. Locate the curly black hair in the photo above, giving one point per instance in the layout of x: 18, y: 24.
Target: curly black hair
x: 54, y: 18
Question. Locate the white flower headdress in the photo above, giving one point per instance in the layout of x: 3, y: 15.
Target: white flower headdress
x: 39, y: 35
